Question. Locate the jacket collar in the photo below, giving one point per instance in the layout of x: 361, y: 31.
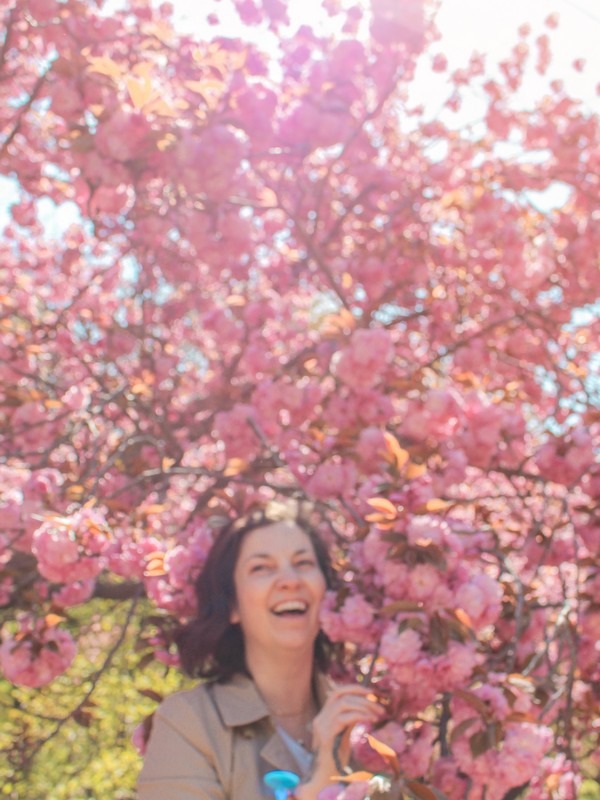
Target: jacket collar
x: 240, y: 704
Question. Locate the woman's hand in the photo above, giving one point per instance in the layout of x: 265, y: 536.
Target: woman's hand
x: 344, y: 708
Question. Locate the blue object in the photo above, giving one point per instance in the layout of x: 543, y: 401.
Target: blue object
x: 281, y: 782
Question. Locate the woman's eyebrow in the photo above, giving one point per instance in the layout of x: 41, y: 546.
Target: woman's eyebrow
x: 301, y: 551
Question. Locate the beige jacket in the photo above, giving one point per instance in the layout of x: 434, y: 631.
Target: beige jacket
x: 214, y: 742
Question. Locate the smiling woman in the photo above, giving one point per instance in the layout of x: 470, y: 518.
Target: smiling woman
x: 267, y: 704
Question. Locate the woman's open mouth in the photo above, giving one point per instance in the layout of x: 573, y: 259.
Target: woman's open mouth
x: 290, y: 608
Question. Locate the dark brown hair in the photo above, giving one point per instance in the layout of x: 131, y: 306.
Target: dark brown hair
x: 210, y: 646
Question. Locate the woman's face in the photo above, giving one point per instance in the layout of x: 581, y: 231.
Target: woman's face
x: 279, y: 587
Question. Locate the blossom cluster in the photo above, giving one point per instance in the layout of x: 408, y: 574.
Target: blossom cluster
x: 290, y: 279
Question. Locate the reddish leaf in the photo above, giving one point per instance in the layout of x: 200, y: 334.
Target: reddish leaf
x: 462, y: 728
x: 421, y: 791
x: 399, y: 606
x: 474, y: 701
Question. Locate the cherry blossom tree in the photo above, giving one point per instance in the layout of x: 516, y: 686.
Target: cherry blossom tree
x: 284, y: 279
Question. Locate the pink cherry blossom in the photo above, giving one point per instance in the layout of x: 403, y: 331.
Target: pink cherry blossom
x: 68, y: 547
x: 565, y: 460
x: 123, y: 136
x: 454, y: 668
x: 400, y: 649
x: 38, y: 655
x: 361, y: 364
x: 232, y: 273
x: 72, y: 594
x: 481, y: 598
x: 332, y: 479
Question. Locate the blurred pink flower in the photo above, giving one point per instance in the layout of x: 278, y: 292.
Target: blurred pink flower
x: 73, y: 593
x: 71, y: 548
x: 361, y: 364
x: 400, y: 648
x: 37, y: 655
x: 123, y: 135
x: 332, y: 480
x: 454, y: 668
x: 481, y: 598
x: 564, y: 460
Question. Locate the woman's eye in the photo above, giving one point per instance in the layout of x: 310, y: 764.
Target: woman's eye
x: 306, y: 562
x: 259, y: 568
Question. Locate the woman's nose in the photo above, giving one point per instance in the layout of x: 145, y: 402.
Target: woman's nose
x: 288, y: 574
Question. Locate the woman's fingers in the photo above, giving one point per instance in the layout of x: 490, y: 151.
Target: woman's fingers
x: 343, y: 709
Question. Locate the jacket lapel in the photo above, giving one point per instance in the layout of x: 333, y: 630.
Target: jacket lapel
x: 277, y: 756
x: 240, y: 705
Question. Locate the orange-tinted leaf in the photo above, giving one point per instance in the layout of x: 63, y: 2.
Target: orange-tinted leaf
x: 553, y: 783
x: 152, y: 571
x: 155, y: 565
x: 393, y: 453
x: 268, y: 199
x: 167, y: 463
x: 384, y: 506
x: 154, y: 508
x: 463, y: 617
x: 105, y: 66
x: 140, y: 91
x: 52, y: 620
x: 159, y: 30
x: 140, y: 388
x: 520, y: 716
x: 353, y: 777
x: 75, y: 492
x: 380, y: 747
x: 382, y: 522
x: 143, y: 69
x: 234, y: 467
x: 414, y: 470
x: 199, y: 87
x: 236, y: 300
x: 166, y: 142
x: 433, y: 506
x: 160, y: 108
x: 521, y: 680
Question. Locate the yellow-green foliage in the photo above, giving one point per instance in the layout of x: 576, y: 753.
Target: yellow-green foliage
x: 91, y: 754
x: 590, y: 791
